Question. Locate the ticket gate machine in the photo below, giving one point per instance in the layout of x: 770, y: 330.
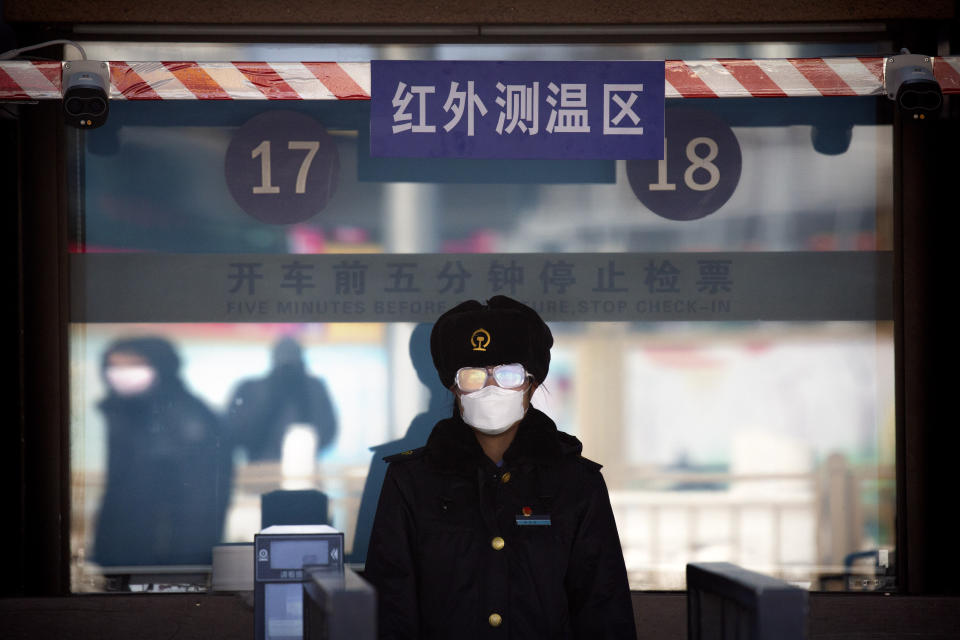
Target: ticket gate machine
x: 282, y: 554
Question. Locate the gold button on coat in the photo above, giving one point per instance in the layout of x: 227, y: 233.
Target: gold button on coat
x: 495, y: 620
x: 497, y: 543
x: 505, y: 478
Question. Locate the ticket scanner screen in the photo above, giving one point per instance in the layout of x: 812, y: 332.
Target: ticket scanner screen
x: 296, y: 554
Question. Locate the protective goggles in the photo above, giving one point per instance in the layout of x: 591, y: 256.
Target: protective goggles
x: 508, y: 376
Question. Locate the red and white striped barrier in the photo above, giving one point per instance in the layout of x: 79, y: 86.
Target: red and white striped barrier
x: 29, y: 80
x: 760, y: 78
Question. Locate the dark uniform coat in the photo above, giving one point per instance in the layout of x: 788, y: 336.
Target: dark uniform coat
x: 464, y: 549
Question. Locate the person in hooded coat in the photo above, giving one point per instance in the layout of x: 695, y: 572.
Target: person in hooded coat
x: 168, y: 477
x: 498, y: 527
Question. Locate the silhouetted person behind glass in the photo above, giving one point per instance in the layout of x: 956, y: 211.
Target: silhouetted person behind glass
x: 263, y: 409
x: 438, y: 408
x: 168, y: 479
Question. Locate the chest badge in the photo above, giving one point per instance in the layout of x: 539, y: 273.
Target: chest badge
x: 527, y: 518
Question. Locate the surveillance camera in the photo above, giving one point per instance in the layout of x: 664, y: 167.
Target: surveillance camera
x: 908, y: 79
x: 86, y: 86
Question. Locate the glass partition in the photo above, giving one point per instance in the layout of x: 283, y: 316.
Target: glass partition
x: 729, y: 362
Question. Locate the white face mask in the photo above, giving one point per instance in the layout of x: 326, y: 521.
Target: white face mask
x: 493, y: 409
x: 130, y: 380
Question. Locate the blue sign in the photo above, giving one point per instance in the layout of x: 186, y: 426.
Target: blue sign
x: 699, y: 169
x: 596, y: 110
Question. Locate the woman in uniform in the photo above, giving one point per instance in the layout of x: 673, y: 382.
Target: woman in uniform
x: 498, y: 527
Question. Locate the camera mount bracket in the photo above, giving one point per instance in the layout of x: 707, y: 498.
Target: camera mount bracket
x: 905, y: 67
x: 87, y: 72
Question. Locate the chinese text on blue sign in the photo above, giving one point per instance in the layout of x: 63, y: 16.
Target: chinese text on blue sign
x: 611, y: 110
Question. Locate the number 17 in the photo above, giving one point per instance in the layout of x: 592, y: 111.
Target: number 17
x: 263, y: 151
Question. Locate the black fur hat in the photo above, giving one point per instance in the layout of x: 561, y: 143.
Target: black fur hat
x: 503, y: 331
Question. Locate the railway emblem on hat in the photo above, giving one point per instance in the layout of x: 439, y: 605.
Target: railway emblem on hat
x: 480, y: 340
